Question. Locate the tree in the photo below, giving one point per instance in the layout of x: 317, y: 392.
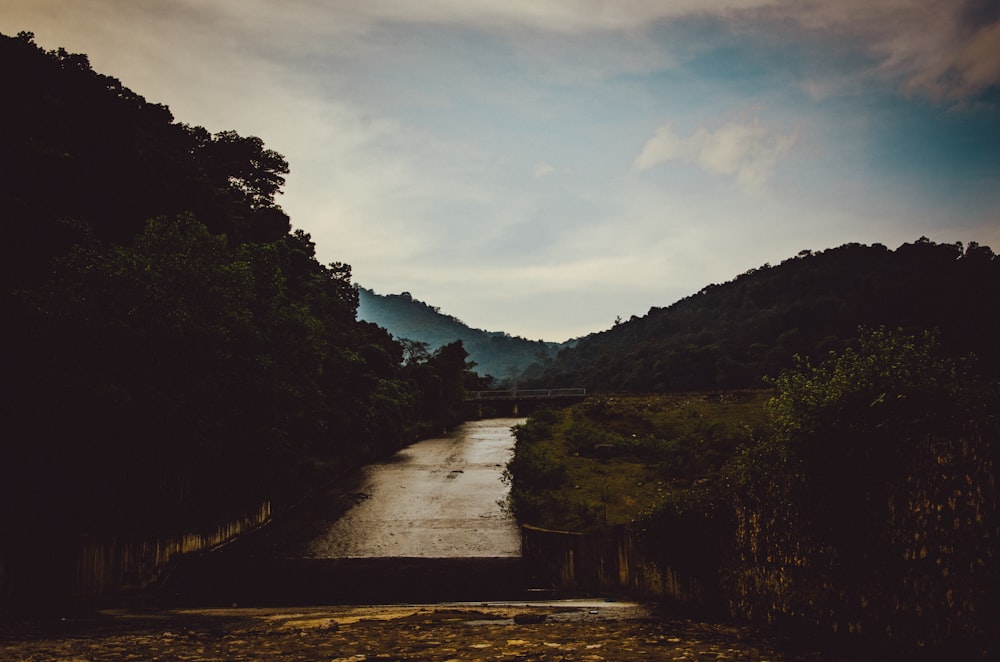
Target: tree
x: 176, y: 354
x: 872, y: 507
x: 845, y: 427
x: 440, y: 380
x: 415, y: 351
x: 247, y: 166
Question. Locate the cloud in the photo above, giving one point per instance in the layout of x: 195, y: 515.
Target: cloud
x: 746, y: 150
x: 543, y: 169
x: 414, y: 131
x: 947, y: 50
x: 556, y: 16
x: 964, y: 71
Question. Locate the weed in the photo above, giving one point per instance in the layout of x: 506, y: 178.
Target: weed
x: 608, y: 460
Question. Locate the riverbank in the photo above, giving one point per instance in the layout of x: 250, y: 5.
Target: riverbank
x: 572, y: 630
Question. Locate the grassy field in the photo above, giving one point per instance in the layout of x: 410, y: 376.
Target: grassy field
x: 613, y: 458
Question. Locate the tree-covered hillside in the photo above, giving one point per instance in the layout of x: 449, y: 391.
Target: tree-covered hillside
x: 497, y: 354
x: 172, y: 352
x: 732, y: 335
x: 857, y: 498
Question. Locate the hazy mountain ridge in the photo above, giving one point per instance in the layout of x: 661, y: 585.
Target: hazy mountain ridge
x: 495, y: 353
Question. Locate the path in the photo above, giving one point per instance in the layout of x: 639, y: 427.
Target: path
x: 427, y: 529
x: 424, y: 526
x: 437, y: 498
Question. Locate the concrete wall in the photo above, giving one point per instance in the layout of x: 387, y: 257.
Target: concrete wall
x: 49, y: 570
x: 612, y: 563
x: 933, y: 579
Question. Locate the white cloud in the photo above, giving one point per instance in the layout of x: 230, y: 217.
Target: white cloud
x: 414, y: 130
x: 948, y: 50
x: 558, y: 16
x: 966, y: 69
x: 543, y: 169
x: 942, y: 48
x: 743, y: 149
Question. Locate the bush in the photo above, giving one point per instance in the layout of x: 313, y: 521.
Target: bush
x: 872, y: 506
x: 842, y: 427
x: 537, y: 428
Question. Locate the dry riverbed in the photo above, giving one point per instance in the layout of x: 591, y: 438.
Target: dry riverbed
x: 552, y: 631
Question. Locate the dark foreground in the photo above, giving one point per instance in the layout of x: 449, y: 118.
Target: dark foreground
x: 548, y: 631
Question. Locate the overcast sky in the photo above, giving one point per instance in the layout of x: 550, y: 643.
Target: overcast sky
x: 541, y: 167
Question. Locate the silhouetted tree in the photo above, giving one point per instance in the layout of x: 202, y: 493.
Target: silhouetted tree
x: 732, y: 335
x: 174, y: 353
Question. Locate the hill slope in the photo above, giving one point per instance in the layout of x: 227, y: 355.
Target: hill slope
x: 732, y: 335
x: 180, y: 355
x: 499, y: 354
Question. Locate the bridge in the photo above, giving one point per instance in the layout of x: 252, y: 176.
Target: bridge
x: 515, y: 397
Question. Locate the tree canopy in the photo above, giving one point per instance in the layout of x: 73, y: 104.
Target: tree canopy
x: 846, y: 428
x: 174, y: 352
x: 734, y: 334
x: 877, y: 493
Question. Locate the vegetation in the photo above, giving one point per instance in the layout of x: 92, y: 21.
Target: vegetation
x: 174, y: 353
x: 731, y: 336
x: 878, y: 491
x: 614, y: 459
x: 495, y: 354
x: 858, y: 496
x: 846, y: 429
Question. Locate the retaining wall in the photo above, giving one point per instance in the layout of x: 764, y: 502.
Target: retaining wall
x: 41, y: 570
x: 930, y: 580
x: 613, y: 562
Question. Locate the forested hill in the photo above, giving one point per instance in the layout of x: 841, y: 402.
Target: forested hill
x: 174, y: 354
x: 732, y: 335
x: 497, y: 354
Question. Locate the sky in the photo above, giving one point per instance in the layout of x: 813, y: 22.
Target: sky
x: 544, y: 167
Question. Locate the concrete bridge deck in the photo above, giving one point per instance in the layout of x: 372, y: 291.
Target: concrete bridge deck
x: 526, y: 394
x: 514, y: 400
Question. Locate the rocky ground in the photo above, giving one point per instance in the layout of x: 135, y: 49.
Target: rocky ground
x: 553, y: 631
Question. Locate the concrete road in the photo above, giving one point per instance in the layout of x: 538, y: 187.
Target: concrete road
x: 438, y: 498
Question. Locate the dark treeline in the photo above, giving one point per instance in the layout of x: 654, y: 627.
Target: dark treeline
x: 173, y: 352
x: 733, y: 335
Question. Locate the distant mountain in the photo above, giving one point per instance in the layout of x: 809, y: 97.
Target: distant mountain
x: 505, y: 357
x: 732, y: 335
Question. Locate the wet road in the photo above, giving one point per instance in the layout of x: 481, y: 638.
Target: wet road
x: 437, y: 499
x: 436, y: 503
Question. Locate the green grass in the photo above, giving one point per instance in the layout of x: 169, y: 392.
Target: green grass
x: 612, y: 458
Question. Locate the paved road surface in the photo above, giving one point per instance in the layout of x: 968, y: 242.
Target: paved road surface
x: 437, y: 498
x: 435, y: 507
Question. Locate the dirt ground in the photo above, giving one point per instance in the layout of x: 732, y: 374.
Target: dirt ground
x: 616, y: 632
